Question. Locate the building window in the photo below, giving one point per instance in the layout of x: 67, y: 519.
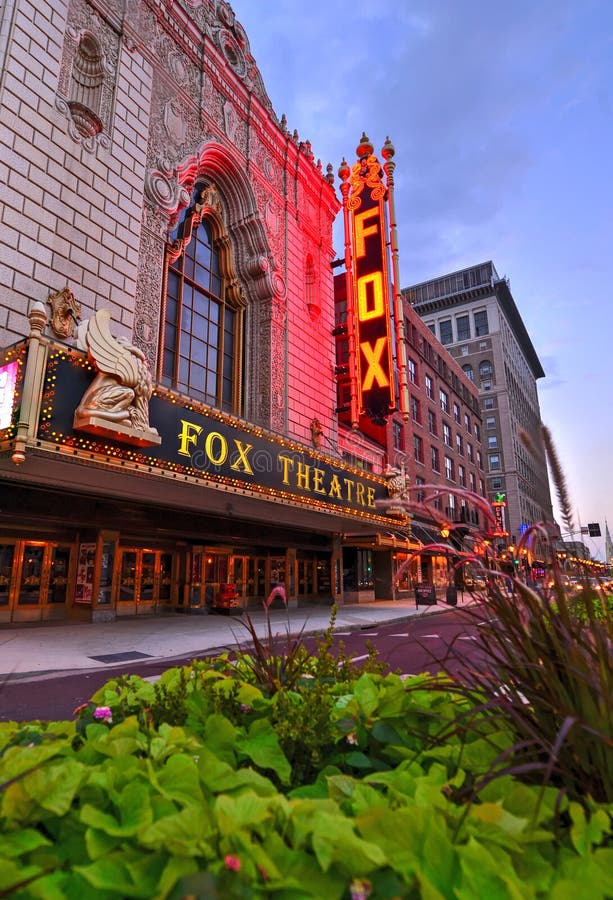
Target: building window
x: 481, y: 326
x: 469, y: 451
x: 492, y: 442
x: 495, y: 484
x: 459, y: 444
x: 462, y: 324
x: 432, y: 327
x: 418, y: 448
x: 494, y: 461
x: 434, y: 459
x: 485, y: 368
x: 449, y: 473
x: 446, y: 332
x: 420, y: 495
x: 471, y: 481
x: 431, y: 422
x: 467, y: 422
x: 477, y: 431
x: 412, y: 367
x: 415, y: 410
x: 397, y: 436
x: 456, y: 413
x: 490, y: 423
x: 428, y: 383
x: 486, y: 385
x: 444, y: 401
x: 479, y: 459
x: 462, y: 475
x: 202, y: 321
x: 447, y: 434
x: 488, y: 403
x: 481, y: 487
x: 468, y: 371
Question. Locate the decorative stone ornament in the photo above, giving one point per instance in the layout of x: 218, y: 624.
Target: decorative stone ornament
x: 65, y: 312
x: 116, y: 404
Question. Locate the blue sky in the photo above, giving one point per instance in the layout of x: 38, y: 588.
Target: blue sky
x: 502, y: 119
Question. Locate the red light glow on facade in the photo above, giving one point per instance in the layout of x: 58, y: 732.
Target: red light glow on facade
x: 371, y: 291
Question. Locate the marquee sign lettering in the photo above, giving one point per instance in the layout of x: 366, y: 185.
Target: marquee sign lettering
x: 374, y: 367
x: 499, y: 507
x: 210, y: 445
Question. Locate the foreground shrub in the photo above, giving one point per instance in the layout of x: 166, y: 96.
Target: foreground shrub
x: 118, y: 806
x: 543, y: 671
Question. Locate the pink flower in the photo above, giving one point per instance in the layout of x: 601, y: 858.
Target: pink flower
x: 103, y: 713
x: 360, y: 889
x: 232, y: 862
x: 351, y: 738
x: 244, y: 708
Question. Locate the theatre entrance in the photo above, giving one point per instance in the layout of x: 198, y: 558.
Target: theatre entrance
x: 34, y: 578
x: 145, y: 581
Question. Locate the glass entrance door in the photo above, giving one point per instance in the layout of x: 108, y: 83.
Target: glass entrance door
x: 34, y: 581
x: 145, y: 581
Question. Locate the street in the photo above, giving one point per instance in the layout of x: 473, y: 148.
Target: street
x: 409, y: 647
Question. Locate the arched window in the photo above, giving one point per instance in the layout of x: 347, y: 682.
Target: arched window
x: 203, y: 312
x: 485, y: 368
x: 468, y: 371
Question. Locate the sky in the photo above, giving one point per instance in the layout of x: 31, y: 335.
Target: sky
x: 501, y: 115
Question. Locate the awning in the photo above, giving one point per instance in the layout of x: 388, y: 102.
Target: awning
x: 425, y: 534
x: 392, y: 540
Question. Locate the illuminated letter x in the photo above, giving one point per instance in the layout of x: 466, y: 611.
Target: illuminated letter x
x: 373, y: 358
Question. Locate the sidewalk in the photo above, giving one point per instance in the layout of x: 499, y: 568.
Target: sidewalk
x: 33, y: 651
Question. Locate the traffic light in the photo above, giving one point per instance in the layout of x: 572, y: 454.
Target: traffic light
x: 593, y: 529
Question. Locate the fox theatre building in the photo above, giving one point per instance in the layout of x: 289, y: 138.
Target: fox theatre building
x: 129, y: 502
x: 169, y: 434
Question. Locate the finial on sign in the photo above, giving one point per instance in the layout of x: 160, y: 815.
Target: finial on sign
x: 365, y: 147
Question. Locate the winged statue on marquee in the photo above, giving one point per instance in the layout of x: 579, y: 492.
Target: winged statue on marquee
x: 116, y: 404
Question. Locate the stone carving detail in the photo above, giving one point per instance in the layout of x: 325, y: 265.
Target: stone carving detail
x: 234, y: 127
x: 116, y: 404
x: 398, y: 491
x: 230, y: 37
x: 174, y: 121
x: 91, y: 45
x: 65, y: 312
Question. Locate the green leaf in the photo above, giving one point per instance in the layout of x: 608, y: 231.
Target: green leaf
x: 16, y: 843
x: 54, y: 786
x: 134, y: 812
x: 487, y: 875
x: 587, y: 833
x: 111, y: 874
x: 262, y: 746
x: 100, y: 843
x: 366, y: 694
x: 186, y: 833
x: 245, y: 811
x: 220, y: 738
x: 13, y: 873
x: 179, y: 779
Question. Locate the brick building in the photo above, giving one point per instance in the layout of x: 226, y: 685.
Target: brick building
x: 474, y: 315
x: 183, y: 439
x: 439, y: 447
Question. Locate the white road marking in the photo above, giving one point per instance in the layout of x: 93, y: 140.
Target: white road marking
x: 468, y: 637
x: 402, y: 634
x: 369, y: 633
x: 359, y: 658
x: 437, y: 636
